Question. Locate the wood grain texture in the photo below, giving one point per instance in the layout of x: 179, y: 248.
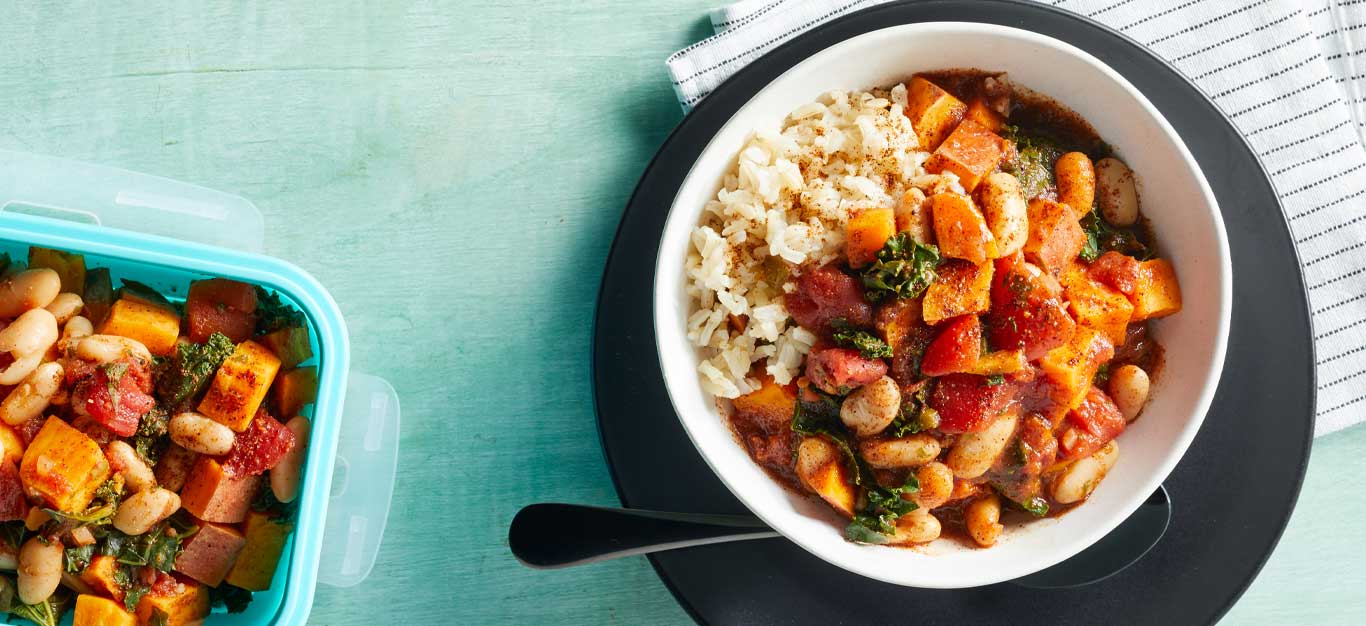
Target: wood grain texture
x: 454, y: 172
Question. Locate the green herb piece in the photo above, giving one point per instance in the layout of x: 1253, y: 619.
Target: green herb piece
x: 159, y: 617
x: 127, y: 579
x: 915, y: 415
x: 78, y: 558
x: 822, y: 419
x: 1033, y: 164
x: 234, y: 599
x: 868, y: 344
x: 99, y: 515
x: 1036, y: 505
x: 150, y: 439
x: 1102, y: 375
x: 1102, y: 237
x: 884, y: 506
x: 273, y: 314
x: 279, y: 512
x: 192, y: 368
x: 141, y: 291
x: 113, y: 374
x: 995, y: 379
x: 904, y: 269
x: 157, y: 548
x: 12, y: 533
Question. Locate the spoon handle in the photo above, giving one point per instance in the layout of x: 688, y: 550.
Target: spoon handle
x: 551, y: 535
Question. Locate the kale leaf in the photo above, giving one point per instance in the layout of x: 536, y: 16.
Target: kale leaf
x: 904, y: 269
x: 234, y: 599
x: 46, y: 613
x: 868, y: 344
x: 78, y: 558
x: 127, y: 579
x: 279, y: 512
x: 272, y: 313
x: 192, y: 368
x: 156, y: 548
x: 1102, y: 237
x: 877, y: 521
x: 151, y: 434
x: 822, y: 419
x: 915, y: 414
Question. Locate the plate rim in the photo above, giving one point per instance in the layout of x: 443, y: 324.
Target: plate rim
x: 704, y: 107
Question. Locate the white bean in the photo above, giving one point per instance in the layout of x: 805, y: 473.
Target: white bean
x: 27, y: 290
x: 983, y: 519
x: 912, y: 451
x: 108, y: 348
x: 65, y: 307
x: 1079, y: 479
x: 32, y: 396
x: 936, y: 486
x: 142, y: 510
x: 1129, y: 389
x: 126, y: 461
x: 918, y: 526
x: 1117, y: 193
x: 872, y: 407
x: 21, y: 368
x: 284, y: 477
x: 973, y: 453
x: 40, y: 569
x: 197, y: 433
x: 1003, y: 205
x: 174, y: 467
x: 75, y: 329
x: 34, y: 331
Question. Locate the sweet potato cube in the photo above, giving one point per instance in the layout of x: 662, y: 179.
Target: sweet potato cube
x: 1071, y: 367
x: 961, y: 288
x: 821, y: 467
x: 982, y: 113
x: 961, y: 229
x: 157, y: 327
x: 13, y: 444
x: 1156, y: 292
x: 295, y: 389
x: 933, y: 112
x: 999, y: 362
x: 210, y: 553
x: 240, y: 385
x: 1055, y: 235
x: 63, y: 467
x: 213, y: 496
x: 771, y: 402
x: 972, y: 151
x: 266, y: 538
x: 99, y: 575
x: 1098, y: 306
x: 865, y: 234
x: 97, y: 611
x: 183, y: 604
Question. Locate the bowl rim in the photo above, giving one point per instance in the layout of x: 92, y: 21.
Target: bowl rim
x: 779, y: 521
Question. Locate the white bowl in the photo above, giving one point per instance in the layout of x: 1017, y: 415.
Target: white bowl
x: 1174, y: 196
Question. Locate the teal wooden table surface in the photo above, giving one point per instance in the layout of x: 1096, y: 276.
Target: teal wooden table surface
x: 454, y: 173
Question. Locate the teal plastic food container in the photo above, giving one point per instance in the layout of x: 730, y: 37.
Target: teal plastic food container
x: 166, y: 234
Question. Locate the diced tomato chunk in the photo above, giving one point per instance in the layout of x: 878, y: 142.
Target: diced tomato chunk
x: 260, y: 447
x: 13, y: 503
x: 841, y: 370
x: 1090, y: 426
x: 1027, y: 310
x: 956, y: 349
x: 223, y: 306
x: 825, y: 294
x: 119, y: 403
x: 968, y: 402
x: 1119, y: 271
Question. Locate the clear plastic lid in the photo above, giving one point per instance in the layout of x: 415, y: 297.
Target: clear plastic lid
x: 367, y: 446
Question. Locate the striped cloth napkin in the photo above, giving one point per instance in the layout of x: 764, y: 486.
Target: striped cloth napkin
x: 1289, y: 73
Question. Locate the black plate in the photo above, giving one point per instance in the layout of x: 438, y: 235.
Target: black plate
x: 1233, y: 491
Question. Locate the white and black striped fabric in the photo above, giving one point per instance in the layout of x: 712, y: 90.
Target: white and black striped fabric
x: 1291, y: 74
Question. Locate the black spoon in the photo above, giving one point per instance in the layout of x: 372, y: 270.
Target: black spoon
x: 548, y: 536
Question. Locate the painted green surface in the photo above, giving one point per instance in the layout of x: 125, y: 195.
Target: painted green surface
x: 454, y: 174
